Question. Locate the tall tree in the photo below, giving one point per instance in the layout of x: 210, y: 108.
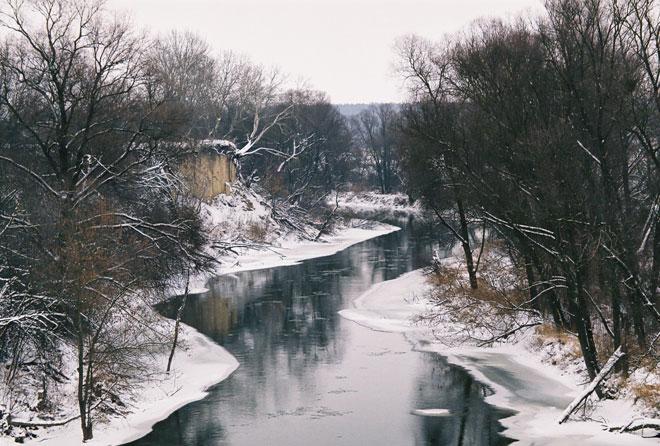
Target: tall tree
x: 549, y: 128
x: 376, y: 133
x: 87, y: 170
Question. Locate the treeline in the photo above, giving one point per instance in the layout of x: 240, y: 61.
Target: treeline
x: 93, y: 215
x: 548, y: 132
x: 95, y: 218
x: 359, y: 152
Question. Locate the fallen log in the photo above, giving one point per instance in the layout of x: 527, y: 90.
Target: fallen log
x: 577, y: 402
x: 638, y: 424
x: 41, y: 423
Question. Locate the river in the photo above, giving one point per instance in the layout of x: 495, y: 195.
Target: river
x: 309, y: 377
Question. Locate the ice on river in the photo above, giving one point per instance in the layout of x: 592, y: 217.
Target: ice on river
x: 536, y: 391
x: 431, y: 412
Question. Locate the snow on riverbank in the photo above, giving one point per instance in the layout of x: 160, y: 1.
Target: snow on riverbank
x: 373, y: 202
x: 521, y: 381
x: 391, y: 305
x: 292, y: 251
x: 200, y: 363
x: 245, y: 221
x: 289, y: 251
x: 198, y: 366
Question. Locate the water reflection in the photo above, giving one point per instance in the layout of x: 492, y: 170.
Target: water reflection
x: 309, y: 377
x: 471, y: 422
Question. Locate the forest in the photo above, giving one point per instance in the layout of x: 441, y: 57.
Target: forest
x: 547, y: 133
x: 536, y: 137
x: 96, y: 219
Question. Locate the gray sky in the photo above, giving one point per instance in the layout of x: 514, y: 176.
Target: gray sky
x: 343, y: 47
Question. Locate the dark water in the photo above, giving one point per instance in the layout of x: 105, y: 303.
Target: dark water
x: 309, y: 377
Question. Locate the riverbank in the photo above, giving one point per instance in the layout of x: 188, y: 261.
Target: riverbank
x: 290, y: 250
x: 519, y: 373
x: 372, y: 202
x: 199, y: 364
x: 247, y: 235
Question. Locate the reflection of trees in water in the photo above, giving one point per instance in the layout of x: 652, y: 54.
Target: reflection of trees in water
x: 264, y: 316
x: 282, y: 324
x: 472, y: 421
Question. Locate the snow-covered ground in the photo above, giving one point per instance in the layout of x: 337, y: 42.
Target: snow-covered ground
x: 200, y: 363
x: 521, y: 380
x: 376, y: 203
x: 291, y: 251
x: 239, y: 218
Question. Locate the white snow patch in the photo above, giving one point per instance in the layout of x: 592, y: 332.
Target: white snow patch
x: 521, y: 382
x: 391, y: 305
x: 374, y: 202
x: 200, y: 365
x: 293, y: 251
x: 290, y: 251
x: 431, y: 412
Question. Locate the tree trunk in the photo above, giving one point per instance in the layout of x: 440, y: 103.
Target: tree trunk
x: 610, y: 280
x: 655, y: 268
x: 582, y: 324
x: 636, y: 300
x: 551, y: 297
x: 88, y: 432
x: 586, y: 336
x: 85, y: 422
x: 534, y: 290
x: 613, y: 285
x: 177, y: 324
x: 465, y: 243
x: 594, y: 386
x: 557, y: 314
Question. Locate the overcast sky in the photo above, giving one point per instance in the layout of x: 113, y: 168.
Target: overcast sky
x: 343, y: 47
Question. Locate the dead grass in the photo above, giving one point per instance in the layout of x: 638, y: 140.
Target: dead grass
x: 496, y: 283
x: 604, y: 347
x: 257, y: 231
x: 445, y: 277
x: 549, y: 333
x: 648, y: 394
x: 496, y: 311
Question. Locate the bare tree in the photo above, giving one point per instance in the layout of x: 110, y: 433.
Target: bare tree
x: 94, y: 179
x: 548, y: 132
x: 186, y: 80
x: 435, y: 137
x: 376, y: 133
x: 225, y: 101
